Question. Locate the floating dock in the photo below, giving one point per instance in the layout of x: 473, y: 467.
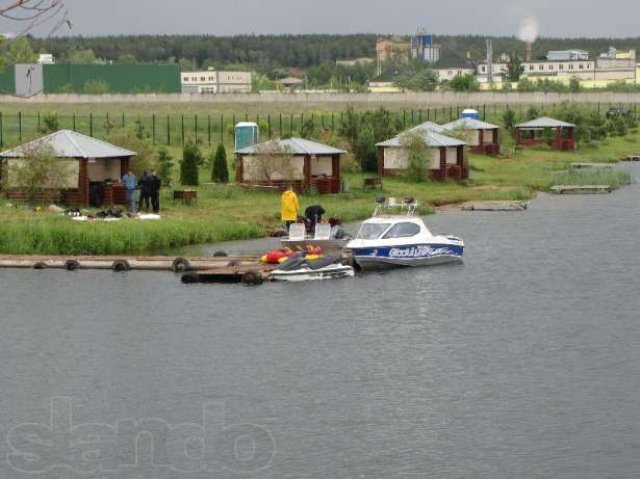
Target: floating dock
x: 581, y: 189
x: 496, y: 207
x: 582, y: 165
x: 215, y: 269
x: 123, y: 263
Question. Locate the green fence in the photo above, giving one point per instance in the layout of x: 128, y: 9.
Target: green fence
x: 176, y: 129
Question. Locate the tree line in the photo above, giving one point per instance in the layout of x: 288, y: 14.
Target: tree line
x: 273, y: 57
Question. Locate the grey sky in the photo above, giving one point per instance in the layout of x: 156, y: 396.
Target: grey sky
x: 566, y: 18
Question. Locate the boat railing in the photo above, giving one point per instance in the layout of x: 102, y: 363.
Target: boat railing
x: 390, y: 205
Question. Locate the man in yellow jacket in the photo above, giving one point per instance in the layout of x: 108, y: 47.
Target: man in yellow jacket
x: 289, y: 206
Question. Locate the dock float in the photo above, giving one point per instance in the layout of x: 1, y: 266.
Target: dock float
x: 582, y: 165
x: 581, y: 189
x: 123, y: 263
x: 496, y: 207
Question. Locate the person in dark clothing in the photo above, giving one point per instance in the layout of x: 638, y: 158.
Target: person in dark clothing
x: 143, y: 183
x: 314, y: 214
x: 154, y: 191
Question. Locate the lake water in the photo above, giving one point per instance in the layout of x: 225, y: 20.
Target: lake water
x: 523, y: 361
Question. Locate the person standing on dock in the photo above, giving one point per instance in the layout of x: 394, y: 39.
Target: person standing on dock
x: 154, y: 183
x: 289, y: 207
x: 129, y: 183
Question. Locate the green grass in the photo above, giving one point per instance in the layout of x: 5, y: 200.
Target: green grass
x: 592, y: 176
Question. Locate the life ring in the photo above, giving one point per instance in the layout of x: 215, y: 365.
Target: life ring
x: 181, y: 264
x: 252, y: 277
x: 121, y: 266
x: 71, y: 265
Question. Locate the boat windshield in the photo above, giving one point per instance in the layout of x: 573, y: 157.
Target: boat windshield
x: 371, y: 231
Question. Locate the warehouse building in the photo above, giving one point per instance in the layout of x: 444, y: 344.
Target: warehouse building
x: 210, y: 81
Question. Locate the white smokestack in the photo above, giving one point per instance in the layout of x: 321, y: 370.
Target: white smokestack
x: 528, y: 31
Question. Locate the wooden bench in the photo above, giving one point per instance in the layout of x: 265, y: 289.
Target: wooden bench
x: 185, y: 196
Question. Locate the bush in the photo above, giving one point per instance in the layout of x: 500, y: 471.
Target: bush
x: 417, y: 156
x: 362, y: 130
x: 50, y: 123
x: 191, y: 158
x: 220, y: 170
x: 165, y: 166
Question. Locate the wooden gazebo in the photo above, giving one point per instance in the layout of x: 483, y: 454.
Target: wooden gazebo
x: 90, y: 163
x: 445, y: 159
x: 296, y: 161
x: 481, y: 137
x: 563, y: 134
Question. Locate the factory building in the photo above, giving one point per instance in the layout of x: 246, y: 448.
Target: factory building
x: 564, y: 65
x: 210, y: 81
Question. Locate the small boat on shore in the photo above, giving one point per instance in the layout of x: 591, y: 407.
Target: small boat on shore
x: 298, y: 239
x: 395, y: 237
x: 297, y: 269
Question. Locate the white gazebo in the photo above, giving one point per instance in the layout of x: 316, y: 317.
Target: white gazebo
x: 88, y: 162
x: 296, y: 161
x: 445, y: 160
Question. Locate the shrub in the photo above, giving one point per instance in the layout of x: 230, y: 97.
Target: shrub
x: 191, y: 158
x: 165, y: 166
x: 220, y: 170
x: 50, y: 123
x: 417, y: 156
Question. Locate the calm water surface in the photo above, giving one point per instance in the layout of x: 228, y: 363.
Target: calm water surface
x: 523, y: 361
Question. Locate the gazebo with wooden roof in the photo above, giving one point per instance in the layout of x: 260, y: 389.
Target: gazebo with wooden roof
x: 89, y: 162
x: 481, y: 137
x: 563, y: 134
x: 293, y: 161
x: 445, y: 159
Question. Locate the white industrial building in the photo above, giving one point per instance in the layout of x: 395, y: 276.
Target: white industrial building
x: 211, y: 81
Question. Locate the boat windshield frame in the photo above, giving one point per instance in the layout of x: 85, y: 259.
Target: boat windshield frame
x: 393, y: 207
x: 372, y: 230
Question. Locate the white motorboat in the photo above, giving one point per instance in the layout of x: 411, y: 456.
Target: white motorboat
x: 396, y: 236
x: 297, y: 269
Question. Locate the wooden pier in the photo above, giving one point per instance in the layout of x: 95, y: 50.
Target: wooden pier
x: 124, y: 262
x: 220, y: 269
x: 495, y: 207
x: 581, y: 189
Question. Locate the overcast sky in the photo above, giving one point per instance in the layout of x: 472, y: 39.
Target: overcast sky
x: 557, y: 18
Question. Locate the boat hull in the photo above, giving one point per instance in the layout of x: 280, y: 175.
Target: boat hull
x: 305, y: 274
x: 417, y: 255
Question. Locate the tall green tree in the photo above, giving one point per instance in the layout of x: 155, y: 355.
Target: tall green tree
x: 220, y: 170
x: 191, y: 158
x: 464, y: 83
x: 515, y: 69
x: 20, y: 51
x: 165, y: 166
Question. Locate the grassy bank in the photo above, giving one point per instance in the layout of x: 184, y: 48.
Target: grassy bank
x: 226, y: 213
